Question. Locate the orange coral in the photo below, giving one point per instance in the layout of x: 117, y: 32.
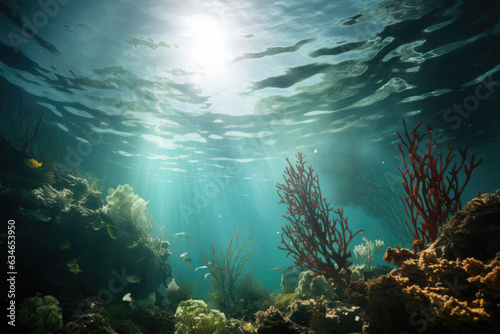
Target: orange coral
x: 398, y: 255
x: 460, y: 295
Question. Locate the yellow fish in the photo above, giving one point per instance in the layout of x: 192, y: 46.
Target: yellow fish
x: 132, y: 245
x: 186, y: 258
x: 248, y: 327
x: 65, y: 244
x: 32, y: 163
x: 133, y: 279
x: 112, y: 230
x: 74, y: 267
x: 72, y: 262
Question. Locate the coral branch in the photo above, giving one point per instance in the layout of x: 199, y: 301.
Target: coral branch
x: 317, y: 236
x: 431, y: 184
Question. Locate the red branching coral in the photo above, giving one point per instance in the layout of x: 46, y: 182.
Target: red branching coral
x: 317, y: 236
x: 431, y: 184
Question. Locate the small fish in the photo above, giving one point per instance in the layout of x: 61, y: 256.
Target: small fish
x: 206, y: 275
x: 133, y: 279
x: 180, y: 235
x: 74, y: 267
x: 75, y: 270
x: 248, y: 327
x: 98, y: 226
x: 71, y: 262
x: 112, y: 230
x: 141, y: 258
x: 202, y: 267
x: 43, y: 215
x: 132, y: 245
x: 65, y: 244
x: 32, y: 163
x: 186, y: 258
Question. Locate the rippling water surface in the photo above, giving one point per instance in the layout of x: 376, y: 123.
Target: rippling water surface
x: 197, y: 103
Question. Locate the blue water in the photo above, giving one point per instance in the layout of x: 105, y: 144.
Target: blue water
x: 196, y: 104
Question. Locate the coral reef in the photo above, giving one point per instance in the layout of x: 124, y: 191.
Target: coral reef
x: 235, y: 326
x: 67, y: 248
x: 399, y: 255
x: 272, y: 321
x: 469, y: 232
x: 317, y: 236
x: 75, y: 245
x: 89, y: 323
x: 148, y: 319
x: 97, y: 318
x: 375, y: 271
x: 118, y: 315
x: 129, y: 211
x: 283, y: 300
x: 320, y: 315
x: 194, y: 317
x: 152, y: 319
x: 324, y: 315
x: 40, y: 315
x: 311, y: 286
x: 435, y: 294
x: 174, y: 294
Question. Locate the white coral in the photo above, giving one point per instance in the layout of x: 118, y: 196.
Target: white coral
x: 366, y: 253
x: 172, y: 286
x: 123, y: 206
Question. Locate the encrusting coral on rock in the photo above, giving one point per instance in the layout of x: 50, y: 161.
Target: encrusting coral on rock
x: 67, y: 245
x: 40, y: 315
x: 311, y: 286
x: 194, y: 317
x: 473, y: 231
x: 436, y: 294
x: 272, y: 321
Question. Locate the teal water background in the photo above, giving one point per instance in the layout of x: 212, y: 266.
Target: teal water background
x: 196, y: 104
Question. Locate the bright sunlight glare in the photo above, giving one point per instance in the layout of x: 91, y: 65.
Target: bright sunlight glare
x: 208, y: 44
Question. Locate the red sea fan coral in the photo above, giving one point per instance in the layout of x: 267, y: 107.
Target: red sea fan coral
x: 431, y: 184
x: 317, y: 236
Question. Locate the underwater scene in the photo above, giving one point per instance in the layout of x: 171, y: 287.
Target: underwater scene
x: 251, y: 166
